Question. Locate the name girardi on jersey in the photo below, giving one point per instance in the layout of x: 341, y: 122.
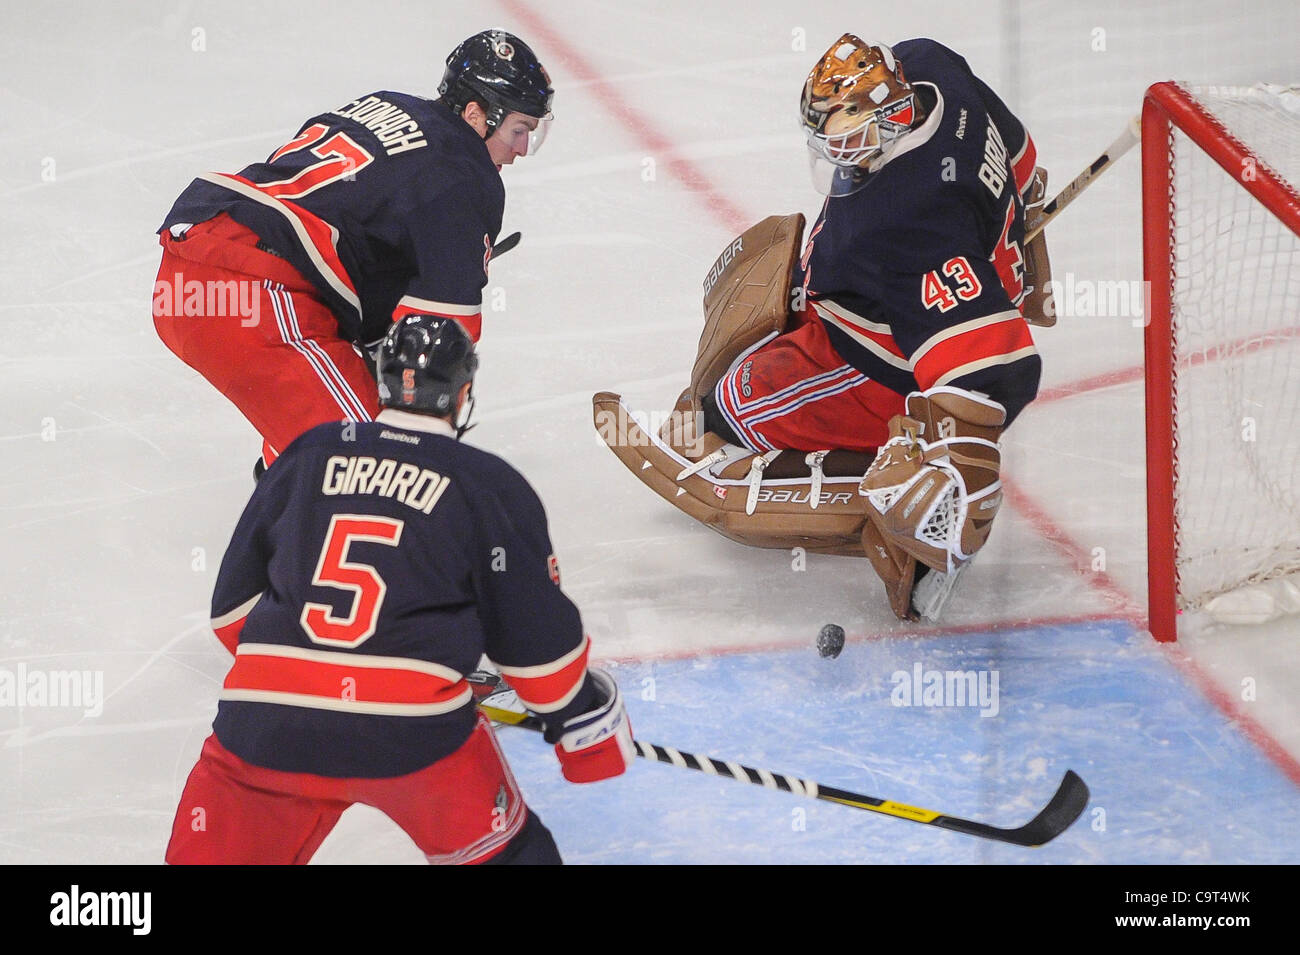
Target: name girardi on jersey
x: 392, y: 124
x: 414, y: 486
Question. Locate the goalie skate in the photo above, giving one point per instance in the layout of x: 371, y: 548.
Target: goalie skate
x: 930, y: 594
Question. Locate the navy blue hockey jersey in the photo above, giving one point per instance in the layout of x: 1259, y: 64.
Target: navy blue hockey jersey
x: 388, y: 205
x: 918, y: 276
x: 373, y: 566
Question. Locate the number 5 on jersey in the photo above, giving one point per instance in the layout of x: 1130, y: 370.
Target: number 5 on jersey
x: 333, y: 569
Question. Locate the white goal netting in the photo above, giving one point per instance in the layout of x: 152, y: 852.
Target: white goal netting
x: 1236, y: 341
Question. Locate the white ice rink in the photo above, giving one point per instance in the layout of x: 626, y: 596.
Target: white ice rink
x: 123, y: 472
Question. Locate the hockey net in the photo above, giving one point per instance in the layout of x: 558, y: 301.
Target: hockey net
x: 1221, y: 249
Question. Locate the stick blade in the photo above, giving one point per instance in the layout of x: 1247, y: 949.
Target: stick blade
x: 506, y: 244
x: 1058, y: 815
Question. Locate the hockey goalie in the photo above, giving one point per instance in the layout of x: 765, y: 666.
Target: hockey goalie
x: 849, y: 399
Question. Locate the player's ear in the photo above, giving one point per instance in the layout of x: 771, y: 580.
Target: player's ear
x: 474, y: 115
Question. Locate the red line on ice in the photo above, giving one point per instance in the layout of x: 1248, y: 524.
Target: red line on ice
x: 634, y: 120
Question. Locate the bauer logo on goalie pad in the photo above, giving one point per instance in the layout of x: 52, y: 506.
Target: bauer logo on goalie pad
x: 720, y: 266
x: 553, y: 568
x: 787, y: 496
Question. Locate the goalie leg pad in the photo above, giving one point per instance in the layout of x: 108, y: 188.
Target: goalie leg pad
x: 722, y: 494
x: 895, y: 567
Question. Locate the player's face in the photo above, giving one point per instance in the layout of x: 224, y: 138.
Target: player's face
x: 517, y: 135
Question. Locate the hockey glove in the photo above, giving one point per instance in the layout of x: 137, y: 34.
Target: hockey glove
x: 597, y: 744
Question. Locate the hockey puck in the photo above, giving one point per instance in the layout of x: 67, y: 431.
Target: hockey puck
x: 831, y: 640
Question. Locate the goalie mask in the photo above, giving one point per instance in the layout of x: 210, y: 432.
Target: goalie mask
x: 855, y: 106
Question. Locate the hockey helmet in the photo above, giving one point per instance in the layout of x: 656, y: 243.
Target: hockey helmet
x: 855, y: 105
x: 423, y: 363
x: 501, y: 70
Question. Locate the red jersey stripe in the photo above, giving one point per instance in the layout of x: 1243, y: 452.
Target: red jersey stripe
x: 550, y: 686
x: 340, y: 681
x: 979, y: 343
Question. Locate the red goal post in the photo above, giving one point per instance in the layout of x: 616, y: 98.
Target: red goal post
x: 1221, y: 259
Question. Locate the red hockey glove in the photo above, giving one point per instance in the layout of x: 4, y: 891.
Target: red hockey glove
x: 597, y: 744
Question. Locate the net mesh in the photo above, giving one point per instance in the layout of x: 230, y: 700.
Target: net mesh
x: 1236, y: 321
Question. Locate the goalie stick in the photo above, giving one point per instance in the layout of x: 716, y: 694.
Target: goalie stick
x: 1057, y: 816
x: 1127, y: 140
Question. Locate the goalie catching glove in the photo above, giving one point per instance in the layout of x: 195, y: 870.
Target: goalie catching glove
x: 597, y: 744
x: 934, y: 488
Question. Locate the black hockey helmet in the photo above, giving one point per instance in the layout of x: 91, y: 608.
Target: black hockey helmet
x: 499, y: 69
x: 423, y: 363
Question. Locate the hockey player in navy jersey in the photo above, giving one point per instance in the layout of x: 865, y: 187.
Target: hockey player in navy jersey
x: 902, y: 326
x: 274, y: 280
x: 374, y: 565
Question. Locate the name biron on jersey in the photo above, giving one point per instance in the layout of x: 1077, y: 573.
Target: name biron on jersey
x: 414, y: 486
x: 993, y: 171
x: 393, y: 126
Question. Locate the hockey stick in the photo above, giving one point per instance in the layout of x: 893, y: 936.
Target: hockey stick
x: 1057, y: 816
x: 1126, y: 141
x: 506, y: 244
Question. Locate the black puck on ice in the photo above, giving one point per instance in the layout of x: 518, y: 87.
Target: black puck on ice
x: 831, y: 640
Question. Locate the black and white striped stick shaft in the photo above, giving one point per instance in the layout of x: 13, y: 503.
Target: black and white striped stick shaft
x: 716, y: 767
x: 1058, y: 815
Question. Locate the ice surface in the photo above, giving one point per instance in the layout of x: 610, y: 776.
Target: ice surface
x: 123, y: 472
